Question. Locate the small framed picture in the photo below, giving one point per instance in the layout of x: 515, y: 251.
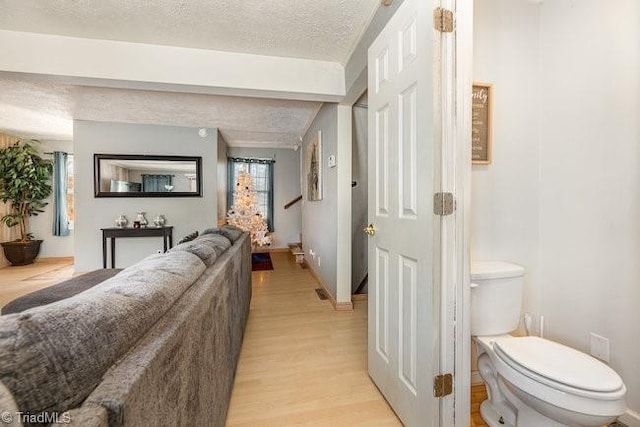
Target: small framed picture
x: 482, y: 100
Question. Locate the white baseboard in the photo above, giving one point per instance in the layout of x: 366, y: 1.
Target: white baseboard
x: 338, y: 306
x: 476, y: 379
x: 630, y: 419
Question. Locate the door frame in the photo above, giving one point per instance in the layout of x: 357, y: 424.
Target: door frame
x: 454, y: 74
x: 462, y: 181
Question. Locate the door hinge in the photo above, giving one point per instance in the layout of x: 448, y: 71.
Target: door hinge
x: 443, y: 20
x: 443, y: 385
x: 443, y: 204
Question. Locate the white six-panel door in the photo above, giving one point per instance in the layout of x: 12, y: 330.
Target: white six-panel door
x: 403, y: 307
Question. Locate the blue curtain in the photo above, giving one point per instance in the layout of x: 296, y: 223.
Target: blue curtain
x: 156, y: 183
x: 60, y: 220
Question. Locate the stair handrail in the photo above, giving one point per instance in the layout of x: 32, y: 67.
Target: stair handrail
x: 293, y: 202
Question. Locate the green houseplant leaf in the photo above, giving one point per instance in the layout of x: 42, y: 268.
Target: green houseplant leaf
x: 25, y: 182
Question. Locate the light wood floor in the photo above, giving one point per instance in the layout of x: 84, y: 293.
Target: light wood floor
x: 478, y: 395
x: 302, y: 363
x: 18, y: 281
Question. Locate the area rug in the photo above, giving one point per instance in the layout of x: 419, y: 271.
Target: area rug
x: 261, y: 261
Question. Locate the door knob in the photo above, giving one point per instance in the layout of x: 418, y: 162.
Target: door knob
x: 370, y: 230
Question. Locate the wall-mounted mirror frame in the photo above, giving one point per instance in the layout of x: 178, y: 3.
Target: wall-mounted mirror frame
x: 108, y: 187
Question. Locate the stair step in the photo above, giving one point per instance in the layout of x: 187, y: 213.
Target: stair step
x: 296, y: 250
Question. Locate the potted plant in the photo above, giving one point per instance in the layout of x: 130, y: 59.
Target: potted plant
x: 24, y: 185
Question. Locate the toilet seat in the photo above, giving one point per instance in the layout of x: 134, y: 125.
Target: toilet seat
x: 545, y: 395
x: 560, y: 367
x: 542, y: 389
x: 597, y: 403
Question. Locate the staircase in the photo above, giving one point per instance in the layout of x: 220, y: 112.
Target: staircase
x: 297, y: 252
x: 296, y: 248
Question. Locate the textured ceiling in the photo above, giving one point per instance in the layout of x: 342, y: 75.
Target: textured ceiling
x: 44, y: 109
x: 314, y: 29
x: 323, y: 30
x: 35, y: 111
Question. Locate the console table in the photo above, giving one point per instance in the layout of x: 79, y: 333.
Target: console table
x: 114, y: 232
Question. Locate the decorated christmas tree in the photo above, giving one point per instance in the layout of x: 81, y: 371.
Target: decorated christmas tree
x: 244, y: 213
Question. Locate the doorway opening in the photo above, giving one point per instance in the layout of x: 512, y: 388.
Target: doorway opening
x: 359, y: 198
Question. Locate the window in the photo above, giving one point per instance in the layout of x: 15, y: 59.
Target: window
x: 70, y: 211
x: 262, y: 172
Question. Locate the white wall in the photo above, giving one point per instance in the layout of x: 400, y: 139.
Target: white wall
x: 590, y: 178
x: 41, y: 225
x: 327, y: 223
x: 342, y: 170
x: 562, y: 194
x: 504, y: 201
x: 286, y: 179
x: 504, y: 206
x: 186, y: 214
x: 319, y: 218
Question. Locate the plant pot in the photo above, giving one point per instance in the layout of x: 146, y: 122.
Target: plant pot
x: 21, y: 253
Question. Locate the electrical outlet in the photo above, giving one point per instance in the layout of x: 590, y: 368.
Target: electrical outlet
x: 600, y: 347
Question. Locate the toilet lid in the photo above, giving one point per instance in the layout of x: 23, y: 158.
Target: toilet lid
x: 485, y: 270
x: 558, y: 363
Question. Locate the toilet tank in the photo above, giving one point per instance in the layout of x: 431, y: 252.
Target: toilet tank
x: 496, y: 297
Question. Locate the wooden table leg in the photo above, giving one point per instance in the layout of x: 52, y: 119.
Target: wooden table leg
x: 104, y: 251
x: 113, y: 252
x: 164, y: 241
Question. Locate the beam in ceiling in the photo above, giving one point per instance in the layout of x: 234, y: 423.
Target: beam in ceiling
x: 93, y: 62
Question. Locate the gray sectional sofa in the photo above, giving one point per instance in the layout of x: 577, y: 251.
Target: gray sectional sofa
x: 157, y: 344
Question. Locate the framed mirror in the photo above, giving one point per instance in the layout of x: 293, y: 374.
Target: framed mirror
x: 138, y: 175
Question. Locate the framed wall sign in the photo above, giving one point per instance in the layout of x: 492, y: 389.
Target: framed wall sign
x: 314, y: 168
x: 481, y: 123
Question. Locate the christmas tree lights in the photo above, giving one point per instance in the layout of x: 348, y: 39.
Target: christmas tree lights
x: 244, y: 213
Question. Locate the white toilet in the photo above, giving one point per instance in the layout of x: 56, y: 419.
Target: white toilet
x: 531, y: 381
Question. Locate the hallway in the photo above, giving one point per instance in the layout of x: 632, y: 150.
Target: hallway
x: 301, y: 361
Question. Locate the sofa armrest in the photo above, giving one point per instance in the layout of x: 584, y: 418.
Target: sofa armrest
x: 8, y: 408
x: 91, y: 416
